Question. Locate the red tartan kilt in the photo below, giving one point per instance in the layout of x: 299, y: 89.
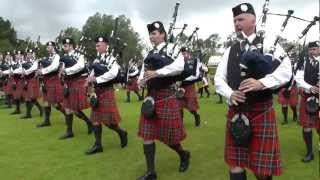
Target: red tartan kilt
x: 167, y: 126
x: 292, y: 100
x: 54, y: 90
x: 190, y: 100
x: 133, y: 86
x: 77, y: 99
x: 7, y: 88
x: 33, y: 91
x: 307, y: 120
x: 17, y: 94
x: 107, y: 111
x: 263, y: 153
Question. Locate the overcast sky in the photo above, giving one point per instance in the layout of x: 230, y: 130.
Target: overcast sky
x: 46, y: 18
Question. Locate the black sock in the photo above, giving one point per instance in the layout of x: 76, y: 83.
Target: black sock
x: 307, y: 136
x: 97, y: 129
x: 28, y: 108
x: 294, y: 110
x: 285, y: 113
x: 116, y: 128
x: 194, y: 113
x: 59, y: 108
x: 137, y: 93
x: 69, y: 121
x: 128, y: 96
x: 178, y: 149
x: 201, y: 91
x: 47, y: 112
x: 17, y: 102
x: 182, y: 113
x: 207, y: 91
x: 149, y: 153
x: 83, y: 116
x: 238, y: 176
x: 35, y: 102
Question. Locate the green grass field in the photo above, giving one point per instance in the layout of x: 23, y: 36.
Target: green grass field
x: 30, y: 153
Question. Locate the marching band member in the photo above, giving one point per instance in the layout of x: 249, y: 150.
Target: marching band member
x: 52, y: 89
x: 164, y: 122
x: 105, y: 112
x: 251, y: 133
x: 74, y: 77
x: 31, y: 86
x: 307, y: 78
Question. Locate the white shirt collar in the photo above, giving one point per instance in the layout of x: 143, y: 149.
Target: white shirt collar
x: 160, y: 46
x: 71, y: 52
x: 250, y: 37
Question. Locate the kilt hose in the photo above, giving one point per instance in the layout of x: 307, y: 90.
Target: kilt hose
x: 133, y: 84
x: 19, y: 84
x: 189, y: 100
x: 167, y: 125
x: 33, y: 90
x: 292, y: 100
x: 77, y: 99
x: 307, y: 120
x: 106, y: 112
x: 262, y: 156
x: 54, y: 90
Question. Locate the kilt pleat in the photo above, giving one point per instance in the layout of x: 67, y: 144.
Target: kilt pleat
x: 19, y: 83
x: 190, y: 100
x: 307, y: 120
x: 54, y: 90
x: 292, y: 100
x: 167, y: 125
x: 77, y: 98
x: 33, y: 90
x: 107, y: 111
x: 133, y: 85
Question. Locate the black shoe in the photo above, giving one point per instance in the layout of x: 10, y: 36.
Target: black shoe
x: 197, y: 120
x: 124, y: 139
x: 44, y: 124
x: 15, y: 112
x: 184, y: 162
x: 140, y: 98
x: 309, y: 157
x: 95, y: 149
x: 66, y: 136
x: 148, y: 176
x: 26, y: 117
